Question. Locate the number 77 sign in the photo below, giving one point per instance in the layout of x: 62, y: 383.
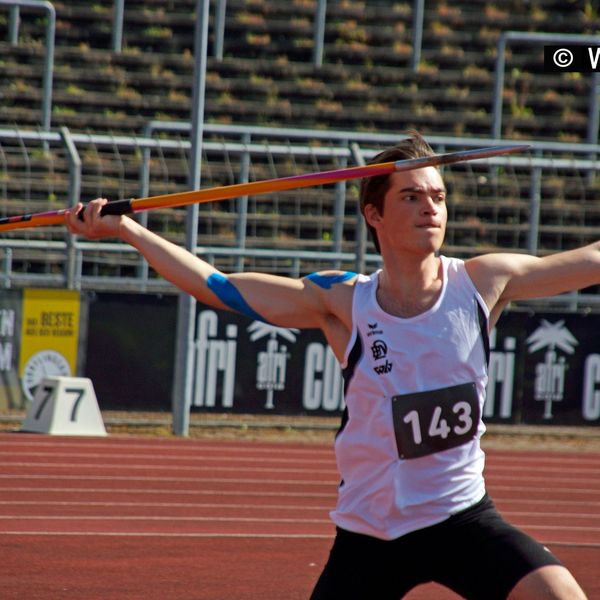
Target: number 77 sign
x: 65, y: 406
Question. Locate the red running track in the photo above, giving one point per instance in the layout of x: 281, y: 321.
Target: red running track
x: 126, y: 518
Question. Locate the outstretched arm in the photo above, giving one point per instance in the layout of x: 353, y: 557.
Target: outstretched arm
x: 283, y: 301
x: 502, y: 278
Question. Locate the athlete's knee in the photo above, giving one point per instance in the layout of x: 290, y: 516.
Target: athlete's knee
x: 552, y: 582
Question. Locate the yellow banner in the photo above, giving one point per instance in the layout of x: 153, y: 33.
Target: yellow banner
x: 49, y: 336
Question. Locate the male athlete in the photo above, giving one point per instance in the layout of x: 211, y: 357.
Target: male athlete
x: 412, y: 342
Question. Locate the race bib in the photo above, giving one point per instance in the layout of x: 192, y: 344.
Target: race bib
x: 433, y: 421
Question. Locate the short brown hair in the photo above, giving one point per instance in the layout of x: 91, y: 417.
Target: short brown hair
x: 373, y: 189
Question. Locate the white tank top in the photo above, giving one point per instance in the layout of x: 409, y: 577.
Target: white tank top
x: 397, y: 478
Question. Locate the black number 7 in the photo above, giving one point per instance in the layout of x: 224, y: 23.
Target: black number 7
x: 48, y: 389
x: 79, y: 392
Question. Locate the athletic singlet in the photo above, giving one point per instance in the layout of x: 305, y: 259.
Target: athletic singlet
x: 408, y: 451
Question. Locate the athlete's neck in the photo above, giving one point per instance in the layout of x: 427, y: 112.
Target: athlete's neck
x: 408, y: 288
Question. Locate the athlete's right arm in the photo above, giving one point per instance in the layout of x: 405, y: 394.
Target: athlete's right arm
x: 320, y: 301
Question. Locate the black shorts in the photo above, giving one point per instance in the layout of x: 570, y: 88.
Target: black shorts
x: 475, y: 553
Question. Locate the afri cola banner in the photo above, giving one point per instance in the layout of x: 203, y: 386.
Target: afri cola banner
x: 544, y: 368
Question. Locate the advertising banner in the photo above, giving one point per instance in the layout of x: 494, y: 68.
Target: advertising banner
x: 11, y: 396
x: 39, y: 337
x: 544, y: 369
x: 250, y: 366
x: 49, y: 336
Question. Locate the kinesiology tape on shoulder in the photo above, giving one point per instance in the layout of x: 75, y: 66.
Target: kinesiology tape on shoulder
x: 326, y: 281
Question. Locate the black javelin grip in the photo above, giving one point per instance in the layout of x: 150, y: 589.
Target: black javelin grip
x: 117, y: 207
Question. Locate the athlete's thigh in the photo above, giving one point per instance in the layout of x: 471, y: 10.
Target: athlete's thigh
x: 490, y: 557
x: 361, y: 567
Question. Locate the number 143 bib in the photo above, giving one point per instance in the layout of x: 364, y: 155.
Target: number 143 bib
x: 436, y: 420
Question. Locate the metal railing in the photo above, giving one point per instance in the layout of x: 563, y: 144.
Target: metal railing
x: 48, y: 73
x: 543, y: 38
x: 250, y: 146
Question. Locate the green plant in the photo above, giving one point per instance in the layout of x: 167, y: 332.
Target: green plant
x: 161, y: 33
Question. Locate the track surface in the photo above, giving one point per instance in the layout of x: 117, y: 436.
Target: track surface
x: 135, y: 517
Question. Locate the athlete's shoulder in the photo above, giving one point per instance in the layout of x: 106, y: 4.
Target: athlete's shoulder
x: 326, y: 280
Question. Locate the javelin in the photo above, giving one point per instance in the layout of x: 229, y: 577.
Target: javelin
x: 227, y: 192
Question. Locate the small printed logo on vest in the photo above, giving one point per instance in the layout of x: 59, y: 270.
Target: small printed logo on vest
x: 374, y: 329
x: 379, y: 349
x: 383, y: 369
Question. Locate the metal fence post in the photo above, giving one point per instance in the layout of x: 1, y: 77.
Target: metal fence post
x: 319, y: 33
x: 184, y: 357
x: 417, y: 33
x: 361, y: 228
x: 339, y: 210
x: 242, y: 206
x: 535, y: 200
x: 13, y: 25
x: 74, y: 197
x: 220, y: 29
x: 117, y: 32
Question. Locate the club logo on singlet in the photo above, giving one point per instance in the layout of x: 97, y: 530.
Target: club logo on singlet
x: 379, y: 350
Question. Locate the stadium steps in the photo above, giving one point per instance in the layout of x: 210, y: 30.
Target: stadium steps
x: 363, y: 84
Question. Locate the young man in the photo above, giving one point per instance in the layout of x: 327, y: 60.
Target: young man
x: 412, y: 342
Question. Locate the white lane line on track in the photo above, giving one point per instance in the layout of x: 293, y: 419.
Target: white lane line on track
x: 529, y: 489
x: 550, y: 457
x: 261, y: 508
x: 255, y: 481
x: 155, y: 467
x: 140, y: 518
x: 513, y: 478
x: 198, y: 505
x: 70, y: 491
x: 592, y: 470
x: 154, y: 457
x: 162, y: 491
x: 77, y: 518
x: 530, y: 478
x: 554, y: 515
x: 197, y: 480
x: 275, y: 536
x: 495, y: 473
x: 588, y: 545
x: 556, y: 527
x: 190, y: 447
x: 554, y: 502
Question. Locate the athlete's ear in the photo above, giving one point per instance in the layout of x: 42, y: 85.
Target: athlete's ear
x: 372, y: 215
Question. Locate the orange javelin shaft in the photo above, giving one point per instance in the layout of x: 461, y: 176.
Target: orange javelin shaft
x: 119, y: 207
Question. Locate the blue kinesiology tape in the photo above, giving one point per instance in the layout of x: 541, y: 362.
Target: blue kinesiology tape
x: 326, y: 281
x: 227, y: 293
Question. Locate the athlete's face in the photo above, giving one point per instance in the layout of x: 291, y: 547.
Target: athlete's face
x: 414, y: 213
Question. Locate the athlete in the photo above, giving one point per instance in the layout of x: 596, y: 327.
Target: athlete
x: 412, y: 342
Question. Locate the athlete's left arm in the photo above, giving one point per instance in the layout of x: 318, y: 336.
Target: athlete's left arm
x: 502, y: 278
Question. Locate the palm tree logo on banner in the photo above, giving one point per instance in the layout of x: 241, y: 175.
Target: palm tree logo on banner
x: 271, y: 363
x: 550, y: 375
